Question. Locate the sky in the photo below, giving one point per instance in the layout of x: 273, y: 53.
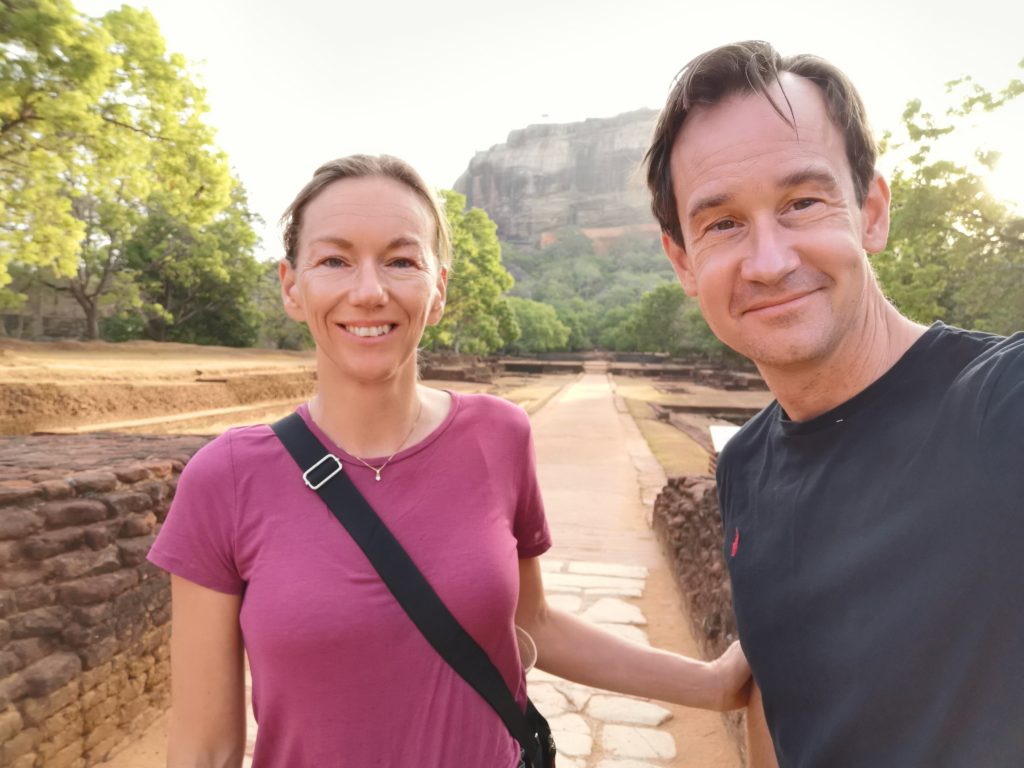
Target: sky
x: 291, y: 85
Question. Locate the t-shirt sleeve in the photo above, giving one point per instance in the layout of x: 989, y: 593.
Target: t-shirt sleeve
x: 1003, y: 402
x: 531, y: 526
x: 197, y: 540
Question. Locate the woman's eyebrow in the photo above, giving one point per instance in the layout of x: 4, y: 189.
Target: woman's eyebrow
x: 398, y: 242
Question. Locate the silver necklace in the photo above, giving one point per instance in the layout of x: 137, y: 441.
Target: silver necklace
x: 377, y: 470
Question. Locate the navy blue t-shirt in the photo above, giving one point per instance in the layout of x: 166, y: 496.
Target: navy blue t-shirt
x: 877, y: 560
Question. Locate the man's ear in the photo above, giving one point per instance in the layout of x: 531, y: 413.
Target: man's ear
x: 680, y: 263
x: 875, y: 215
x: 290, y: 296
x: 440, y: 293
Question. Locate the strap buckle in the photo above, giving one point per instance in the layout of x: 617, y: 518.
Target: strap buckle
x: 314, y: 485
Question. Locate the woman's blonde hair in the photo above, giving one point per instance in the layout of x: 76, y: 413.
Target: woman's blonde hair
x: 361, y: 167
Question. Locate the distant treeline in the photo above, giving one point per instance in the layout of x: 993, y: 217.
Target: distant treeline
x: 113, y: 192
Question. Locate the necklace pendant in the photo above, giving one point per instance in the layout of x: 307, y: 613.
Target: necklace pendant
x: 378, y: 476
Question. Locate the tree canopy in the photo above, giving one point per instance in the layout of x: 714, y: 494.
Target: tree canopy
x: 540, y: 330
x: 477, y: 318
x: 100, y: 129
x: 955, y: 251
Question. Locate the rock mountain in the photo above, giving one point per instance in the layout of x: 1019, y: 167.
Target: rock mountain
x: 549, y: 176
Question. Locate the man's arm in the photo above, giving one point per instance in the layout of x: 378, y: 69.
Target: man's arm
x: 760, y: 750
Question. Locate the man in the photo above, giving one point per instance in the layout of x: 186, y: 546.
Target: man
x: 874, y: 513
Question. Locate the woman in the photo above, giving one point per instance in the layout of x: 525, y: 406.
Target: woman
x: 340, y: 675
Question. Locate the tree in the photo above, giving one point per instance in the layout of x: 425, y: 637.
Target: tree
x: 54, y: 66
x: 98, y: 116
x: 664, y: 320
x: 586, y: 283
x: 955, y: 252
x: 477, y: 319
x: 540, y: 328
x: 194, y: 284
x: 658, y: 326
x: 277, y: 330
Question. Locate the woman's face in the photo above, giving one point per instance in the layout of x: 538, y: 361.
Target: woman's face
x: 366, y: 280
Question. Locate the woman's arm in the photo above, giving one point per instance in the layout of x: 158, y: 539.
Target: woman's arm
x: 573, y: 649
x: 207, y: 679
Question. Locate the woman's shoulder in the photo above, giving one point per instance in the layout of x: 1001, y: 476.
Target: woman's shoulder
x: 492, y: 410
x: 238, y: 446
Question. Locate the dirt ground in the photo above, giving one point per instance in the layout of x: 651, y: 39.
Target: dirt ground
x: 161, y: 388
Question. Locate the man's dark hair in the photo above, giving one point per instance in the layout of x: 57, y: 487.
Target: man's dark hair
x: 752, y: 67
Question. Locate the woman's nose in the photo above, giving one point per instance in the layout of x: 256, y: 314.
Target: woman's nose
x: 369, y: 288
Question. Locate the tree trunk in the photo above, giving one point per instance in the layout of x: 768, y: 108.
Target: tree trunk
x: 92, y: 321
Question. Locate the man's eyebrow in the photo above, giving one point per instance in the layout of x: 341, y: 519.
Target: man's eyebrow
x: 822, y: 178
x: 711, y: 201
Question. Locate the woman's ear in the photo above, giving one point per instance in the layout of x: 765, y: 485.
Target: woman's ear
x: 440, y: 294
x: 290, y: 296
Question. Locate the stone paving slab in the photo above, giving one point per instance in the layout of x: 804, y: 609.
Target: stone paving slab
x: 617, y: 709
x: 631, y: 741
x: 589, y: 724
x: 557, y: 581
x: 607, y: 569
x: 611, y: 610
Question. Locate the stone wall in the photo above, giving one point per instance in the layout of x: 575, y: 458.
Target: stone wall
x: 84, y: 619
x: 687, y: 522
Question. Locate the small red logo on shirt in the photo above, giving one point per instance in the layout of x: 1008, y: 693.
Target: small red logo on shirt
x: 735, y: 543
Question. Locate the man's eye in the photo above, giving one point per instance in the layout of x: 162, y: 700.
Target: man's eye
x: 332, y: 261
x: 804, y: 203
x: 722, y: 226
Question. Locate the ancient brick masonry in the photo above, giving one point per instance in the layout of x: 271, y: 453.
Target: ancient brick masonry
x: 688, y: 523
x: 84, y: 619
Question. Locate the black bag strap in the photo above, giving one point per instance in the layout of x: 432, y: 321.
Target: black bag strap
x: 323, y: 473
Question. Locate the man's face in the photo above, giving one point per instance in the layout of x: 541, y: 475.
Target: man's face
x: 773, y: 238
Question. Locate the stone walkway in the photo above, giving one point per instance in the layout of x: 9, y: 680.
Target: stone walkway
x: 599, y: 480
x: 586, y: 721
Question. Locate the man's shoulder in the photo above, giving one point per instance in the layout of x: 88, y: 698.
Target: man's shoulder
x: 994, y: 383
x: 973, y: 347
x: 749, y: 441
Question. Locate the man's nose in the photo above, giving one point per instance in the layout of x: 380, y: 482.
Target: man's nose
x: 772, y: 254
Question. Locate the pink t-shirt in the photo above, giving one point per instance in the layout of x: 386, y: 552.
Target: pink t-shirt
x: 341, y: 676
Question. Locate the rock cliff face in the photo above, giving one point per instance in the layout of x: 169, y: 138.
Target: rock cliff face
x: 575, y: 174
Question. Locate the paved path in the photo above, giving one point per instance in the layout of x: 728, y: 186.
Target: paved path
x: 596, y: 474
x: 599, y: 481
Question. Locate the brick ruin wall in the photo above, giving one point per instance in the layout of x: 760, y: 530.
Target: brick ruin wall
x: 687, y: 522
x: 84, y: 618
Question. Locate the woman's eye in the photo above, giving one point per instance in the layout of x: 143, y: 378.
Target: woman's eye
x: 402, y: 262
